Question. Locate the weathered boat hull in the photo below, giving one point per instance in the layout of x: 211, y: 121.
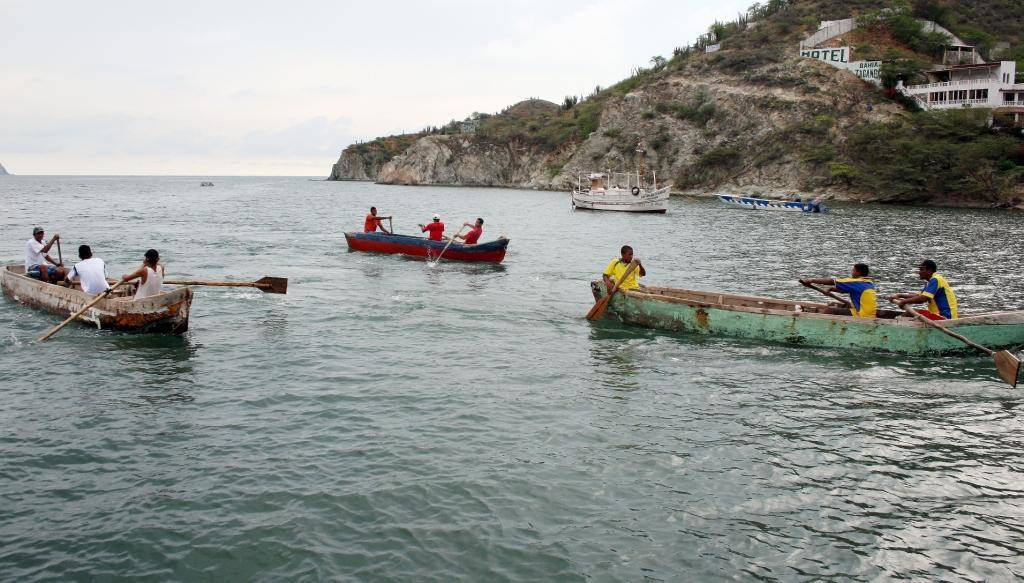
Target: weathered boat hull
x: 613, y: 199
x: 779, y: 321
x: 746, y: 202
x: 166, y: 313
x: 490, y: 252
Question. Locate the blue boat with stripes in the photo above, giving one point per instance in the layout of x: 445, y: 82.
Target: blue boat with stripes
x: 765, y: 204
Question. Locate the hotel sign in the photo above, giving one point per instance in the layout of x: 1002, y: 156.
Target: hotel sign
x: 831, y: 56
x: 867, y: 70
x: 839, y: 57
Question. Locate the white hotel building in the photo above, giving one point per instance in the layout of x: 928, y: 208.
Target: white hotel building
x: 963, y: 80
x: 989, y: 85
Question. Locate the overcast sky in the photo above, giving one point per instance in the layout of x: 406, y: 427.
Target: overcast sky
x: 280, y: 88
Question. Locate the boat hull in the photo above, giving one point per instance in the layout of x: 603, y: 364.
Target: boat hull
x: 166, y: 313
x: 489, y: 252
x: 614, y: 199
x: 744, y: 202
x: 774, y: 320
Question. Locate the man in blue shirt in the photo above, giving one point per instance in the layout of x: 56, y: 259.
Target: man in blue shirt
x: 936, y: 293
x: 860, y: 287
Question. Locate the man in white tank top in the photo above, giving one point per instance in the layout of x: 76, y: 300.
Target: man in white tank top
x: 90, y: 271
x: 151, y: 276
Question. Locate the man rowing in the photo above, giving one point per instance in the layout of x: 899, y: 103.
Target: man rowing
x: 373, y: 222
x: 475, y: 230
x: 617, y: 268
x: 435, y: 228
x: 936, y: 293
x: 860, y: 287
x: 91, y: 272
x: 37, y: 256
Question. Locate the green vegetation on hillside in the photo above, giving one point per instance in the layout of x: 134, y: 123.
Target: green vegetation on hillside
x: 925, y: 155
x: 945, y: 153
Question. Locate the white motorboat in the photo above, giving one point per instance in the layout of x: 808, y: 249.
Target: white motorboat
x: 601, y: 196
x: 621, y: 191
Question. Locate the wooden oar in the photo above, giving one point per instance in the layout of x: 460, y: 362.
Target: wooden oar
x: 95, y: 300
x: 270, y: 285
x: 391, y: 227
x: 60, y: 256
x: 844, y: 301
x: 1007, y: 364
x: 450, y: 241
x: 601, y: 305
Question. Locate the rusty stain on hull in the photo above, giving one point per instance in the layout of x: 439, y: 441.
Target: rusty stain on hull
x: 702, y: 318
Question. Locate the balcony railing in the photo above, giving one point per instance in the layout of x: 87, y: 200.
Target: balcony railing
x: 953, y: 84
x: 960, y: 102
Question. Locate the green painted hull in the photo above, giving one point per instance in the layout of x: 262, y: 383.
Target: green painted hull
x: 779, y: 321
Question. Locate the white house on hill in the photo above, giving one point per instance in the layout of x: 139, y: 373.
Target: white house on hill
x: 963, y: 79
x: 988, y: 85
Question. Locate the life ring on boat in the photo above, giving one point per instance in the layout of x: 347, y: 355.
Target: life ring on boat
x: 636, y: 191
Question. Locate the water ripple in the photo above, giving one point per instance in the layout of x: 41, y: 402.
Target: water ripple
x: 389, y: 419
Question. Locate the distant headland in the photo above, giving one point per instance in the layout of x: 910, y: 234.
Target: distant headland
x: 3, y: 171
x: 901, y: 102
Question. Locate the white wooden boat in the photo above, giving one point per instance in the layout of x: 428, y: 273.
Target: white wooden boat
x: 765, y: 204
x: 607, y: 193
x: 164, y: 313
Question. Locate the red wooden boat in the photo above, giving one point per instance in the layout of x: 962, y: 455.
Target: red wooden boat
x: 489, y: 252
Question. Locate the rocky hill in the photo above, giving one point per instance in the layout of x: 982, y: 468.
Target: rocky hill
x: 752, y: 118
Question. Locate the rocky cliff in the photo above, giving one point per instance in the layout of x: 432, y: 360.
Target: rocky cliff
x: 753, y: 118
x: 781, y: 116
x: 364, y: 161
x: 3, y: 172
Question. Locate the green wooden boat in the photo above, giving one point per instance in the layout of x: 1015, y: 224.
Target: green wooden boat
x: 806, y: 323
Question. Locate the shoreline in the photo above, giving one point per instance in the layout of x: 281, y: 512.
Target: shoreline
x: 831, y: 198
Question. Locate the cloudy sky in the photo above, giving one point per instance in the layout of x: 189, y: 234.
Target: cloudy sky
x: 279, y: 88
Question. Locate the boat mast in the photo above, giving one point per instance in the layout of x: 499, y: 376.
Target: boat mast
x: 641, y: 151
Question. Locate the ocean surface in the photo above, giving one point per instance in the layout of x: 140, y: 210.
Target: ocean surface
x: 390, y: 419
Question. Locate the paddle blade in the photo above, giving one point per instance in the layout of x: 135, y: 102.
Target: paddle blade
x: 600, y: 306
x: 272, y: 285
x: 1008, y: 366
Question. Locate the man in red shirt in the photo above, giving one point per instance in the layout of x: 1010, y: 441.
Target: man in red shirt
x: 436, y: 229
x: 474, y: 233
x: 373, y: 222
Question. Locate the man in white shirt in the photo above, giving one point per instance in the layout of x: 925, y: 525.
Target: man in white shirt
x: 90, y: 271
x: 36, y: 258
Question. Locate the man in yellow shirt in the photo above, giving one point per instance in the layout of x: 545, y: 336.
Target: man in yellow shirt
x: 617, y: 268
x: 936, y: 293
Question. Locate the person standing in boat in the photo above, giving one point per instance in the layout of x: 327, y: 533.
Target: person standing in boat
x: 37, y: 256
x: 152, y: 276
x: 936, y: 293
x: 860, y: 288
x: 373, y: 222
x: 475, y: 230
x: 436, y: 229
x: 617, y: 268
x: 90, y: 271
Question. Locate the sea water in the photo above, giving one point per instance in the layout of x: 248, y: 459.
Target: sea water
x: 389, y: 419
